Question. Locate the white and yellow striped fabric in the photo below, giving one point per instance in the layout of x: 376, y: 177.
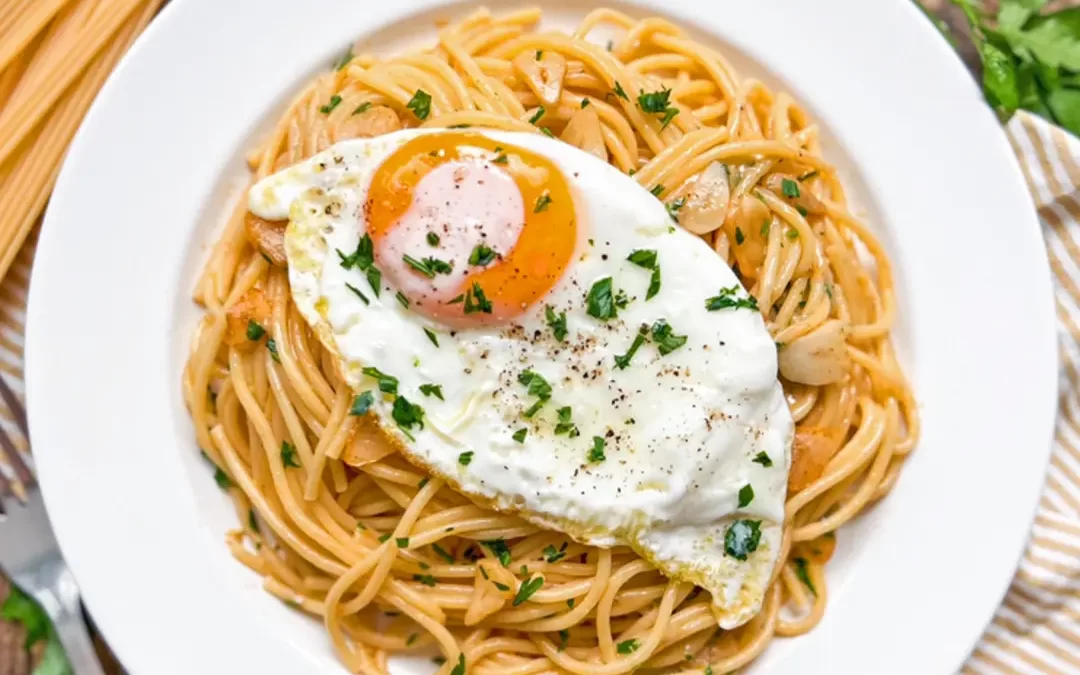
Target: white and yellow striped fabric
x: 1037, y: 628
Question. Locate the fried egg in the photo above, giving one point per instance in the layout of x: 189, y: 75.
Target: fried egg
x: 529, y: 324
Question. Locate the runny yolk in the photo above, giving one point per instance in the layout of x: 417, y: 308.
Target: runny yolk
x: 444, y: 198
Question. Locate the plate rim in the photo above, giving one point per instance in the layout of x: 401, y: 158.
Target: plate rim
x: 44, y: 386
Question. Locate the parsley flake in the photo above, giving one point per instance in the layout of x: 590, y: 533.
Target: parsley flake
x: 584, y: 103
x: 439, y: 551
x: 425, y: 579
x: 600, y: 302
x: 344, y: 59
x: 520, y: 434
x: 222, y: 479
x: 402, y: 542
x: 552, y: 554
x: 790, y: 188
x: 526, y: 590
x: 537, y: 115
x: 271, y: 346
x: 362, y: 403
x: 335, y: 100
x: 255, y: 331
x: 360, y: 295
x: 482, y: 256
x: 742, y: 538
x: 432, y: 239
x: 362, y: 108
x: 619, y: 91
x: 621, y: 362
x: 666, y: 342
x: 746, y: 495
x: 432, y: 390
x: 674, y: 207
x: 565, y: 426
x: 407, y: 415
x: 498, y: 549
x: 402, y: 299
x: 432, y: 336
x: 420, y: 104
x: 728, y: 298
x: 542, y: 203
x: 654, y: 102
x: 739, y: 238
x: 596, y: 454
x: 803, y: 573
x: 762, y: 459
x: 388, y: 384
x: 643, y: 258
x: 459, y: 669
x: 627, y: 646
x: 288, y: 456
x: 465, y: 458
x: 657, y: 190
x: 475, y: 300
x: 557, y: 323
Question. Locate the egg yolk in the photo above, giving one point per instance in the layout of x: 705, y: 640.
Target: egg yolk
x: 469, y: 230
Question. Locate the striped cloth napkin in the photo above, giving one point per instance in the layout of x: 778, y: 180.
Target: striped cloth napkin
x: 1037, y: 627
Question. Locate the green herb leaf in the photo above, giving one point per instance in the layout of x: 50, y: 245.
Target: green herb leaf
x: 803, y: 574
x: 253, y: 524
x: 669, y: 115
x: 584, y: 103
x: 271, y: 346
x: 536, y: 383
x: 498, y: 549
x: 619, y: 91
x: 557, y: 323
x: 402, y: 542
x: 600, y: 303
x: 383, y: 538
x: 520, y: 434
x: 654, y: 102
x: 746, y: 495
x: 255, y: 331
x: 344, y: 59
x: 657, y: 190
x: 728, y: 298
x: 420, y: 104
x: 362, y: 108
x: 402, y: 299
x: 465, y: 458
x: 432, y: 239
x: 742, y: 538
x: 621, y: 362
x: 565, y: 426
x: 441, y: 552
x: 739, y: 238
x: 542, y: 203
x: 432, y: 390
x: 526, y: 590
x: 335, y: 100
x: 362, y: 403
x: 288, y: 456
x: 666, y: 341
x: 537, y: 115
x: 643, y: 258
x: 674, y: 207
x: 790, y: 188
x: 459, y: 669
x: 362, y: 257
x: 388, y: 384
x: 407, y: 415
x: 360, y: 295
x: 627, y: 647
x: 654, y: 284
x: 482, y: 256
x: 374, y: 279
x: 596, y: 454
x: 476, y: 301
x: 425, y: 579
x: 765, y: 228
x: 222, y: 479
x: 552, y: 554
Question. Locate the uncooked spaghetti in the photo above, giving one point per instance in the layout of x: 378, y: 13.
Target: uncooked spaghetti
x: 324, y: 526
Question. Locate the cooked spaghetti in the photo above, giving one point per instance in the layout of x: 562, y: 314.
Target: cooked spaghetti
x: 324, y: 526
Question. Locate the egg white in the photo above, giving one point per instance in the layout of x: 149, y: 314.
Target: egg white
x: 681, y: 431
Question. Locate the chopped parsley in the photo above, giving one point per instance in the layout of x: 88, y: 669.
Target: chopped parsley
x: 482, y: 256
x: 271, y: 346
x: 288, y: 456
x: 790, y: 188
x: 423, y: 481
x: 542, y: 203
x: 803, y: 574
x: 537, y: 115
x: 627, y: 646
x: 619, y: 90
x: 360, y: 295
x: 657, y: 190
x: 475, y: 300
x: 520, y: 434
x: 335, y: 100
x: 383, y: 538
x: 222, y: 479
x: 402, y: 542
x: 402, y: 299
x: 654, y: 283
x: 432, y: 336
x: 362, y: 108
x: 465, y: 458
x: 526, y: 590
x: 459, y: 669
x: 363, y: 258
x: 500, y: 159
x: 596, y: 454
x: 643, y: 258
x: 429, y: 267
x: 538, y: 387
x: 539, y: 54
x: 344, y: 59
x: 654, y: 102
x: 746, y: 495
x: 564, y: 635
x: 621, y: 362
x: 407, y: 415
x: 362, y: 403
x: 498, y: 549
x: 374, y: 278
x: 255, y: 331
x: 739, y: 238
x: 432, y: 239
x: 439, y: 551
x: 420, y: 104
x: 802, y: 212
x: 501, y: 587
x: 253, y: 524
x: 728, y: 298
x: 674, y: 207
x: 432, y: 390
x: 547, y: 132
x: 600, y: 302
x: 411, y: 639
x: 792, y: 234
x: 742, y: 538
x: 570, y: 603
x: 425, y: 579
x: 552, y: 554
x: 669, y: 115
x: 808, y: 175
x: 666, y: 342
x: 565, y: 426
x: 557, y: 323
x: 585, y: 103
x: 388, y: 384
x: 765, y: 228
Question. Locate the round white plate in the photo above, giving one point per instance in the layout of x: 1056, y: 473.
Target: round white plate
x: 160, y: 153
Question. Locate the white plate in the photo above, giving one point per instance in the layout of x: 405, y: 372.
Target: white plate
x: 140, y: 519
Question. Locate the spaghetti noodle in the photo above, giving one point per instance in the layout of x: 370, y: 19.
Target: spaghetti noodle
x: 395, y: 561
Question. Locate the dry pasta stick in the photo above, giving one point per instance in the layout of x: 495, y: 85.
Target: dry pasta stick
x: 56, y: 66
x: 25, y: 183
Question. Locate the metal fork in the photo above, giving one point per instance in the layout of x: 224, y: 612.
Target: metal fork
x: 30, y: 554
